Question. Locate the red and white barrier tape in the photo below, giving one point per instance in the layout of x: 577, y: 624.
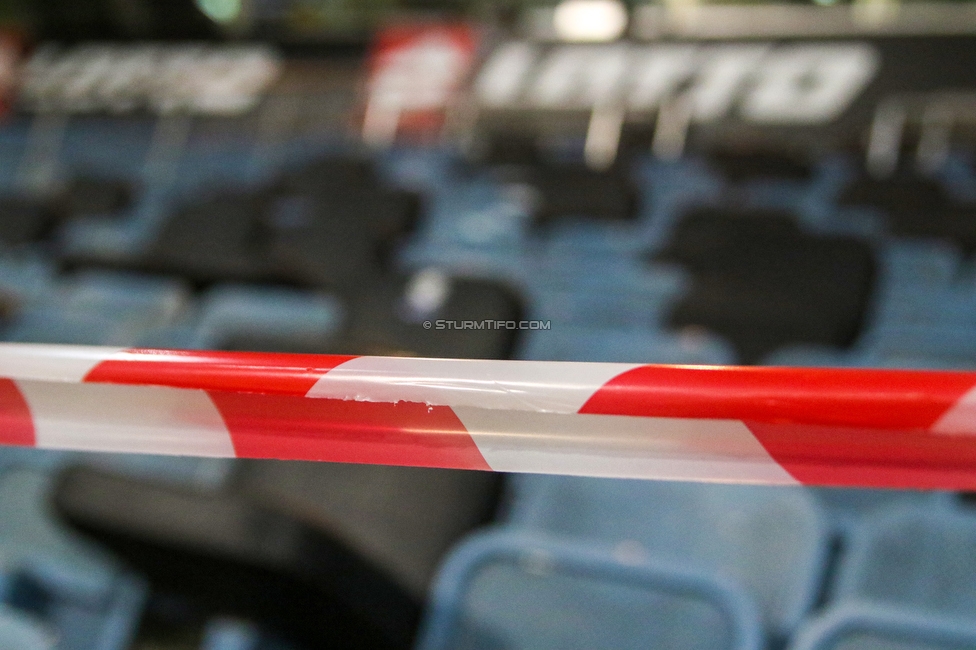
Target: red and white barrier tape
x: 871, y: 428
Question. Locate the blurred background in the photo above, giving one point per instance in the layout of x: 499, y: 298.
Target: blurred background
x: 677, y: 182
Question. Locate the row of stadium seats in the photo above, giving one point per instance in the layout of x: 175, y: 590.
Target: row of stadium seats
x: 602, y: 563
x: 304, y: 246
x: 571, y: 562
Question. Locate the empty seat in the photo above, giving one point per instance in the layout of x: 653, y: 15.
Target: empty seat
x: 914, y: 557
x: 952, y: 343
x: 763, y: 283
x: 330, y: 223
x: 848, y: 508
x: 869, y: 627
x: 214, y: 239
x: 267, y: 318
x: 326, y: 555
x: 916, y: 207
x: 100, y: 308
x: 21, y: 632
x: 562, y: 343
x: 514, y: 591
x: 49, y: 324
x: 95, y: 196
x: 771, y: 540
x: 75, y: 588
x: 388, y: 318
x: 567, y: 190
x: 335, y: 222
x: 25, y: 220
x: 750, y: 163
x: 562, y: 188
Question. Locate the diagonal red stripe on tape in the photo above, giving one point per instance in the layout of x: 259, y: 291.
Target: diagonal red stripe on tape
x: 16, y: 422
x: 298, y: 428
x: 818, y: 455
x: 251, y: 372
x: 882, y: 399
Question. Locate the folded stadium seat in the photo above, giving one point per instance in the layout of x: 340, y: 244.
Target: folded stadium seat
x: 23, y: 632
x: 72, y: 587
x: 743, y: 164
x: 95, y: 196
x: 573, y: 190
x: 100, y: 308
x: 848, y: 509
x: 49, y: 324
x: 770, y: 540
x: 949, y: 345
x: 563, y: 188
x: 25, y: 279
x: 516, y: 590
x: 215, y: 238
x: 607, y: 302
x: 388, y: 318
x: 387, y: 526
x: 912, y: 263
x: 403, y: 519
x: 335, y: 222
x: 923, y: 305
x: 914, y: 557
x: 225, y: 633
x: 916, y: 207
x: 632, y: 345
x: 322, y: 555
x: 763, y: 283
x: 266, y: 318
x: 330, y: 223
x: 860, y: 626
x: 25, y: 220
x: 813, y: 356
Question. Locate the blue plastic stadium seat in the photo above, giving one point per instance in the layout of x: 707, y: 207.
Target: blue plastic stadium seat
x: 235, y: 313
x: 914, y: 263
x: 91, y: 603
x: 914, y: 557
x: 100, y: 308
x: 142, y: 299
x: 954, y: 343
x: 847, y: 509
x: 771, y: 540
x: 815, y: 356
x: 523, y: 591
x: 19, y: 631
x: 563, y: 343
x: 870, y: 627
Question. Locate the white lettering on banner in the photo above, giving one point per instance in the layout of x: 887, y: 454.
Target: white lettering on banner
x: 720, y: 77
x: 421, y: 77
x: 500, y: 81
x: 164, y: 78
x: 131, y: 78
x: 811, y: 83
x: 581, y: 76
x: 799, y: 83
x: 657, y: 73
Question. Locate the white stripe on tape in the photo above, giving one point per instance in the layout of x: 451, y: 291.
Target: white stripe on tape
x: 119, y: 418
x: 960, y: 418
x: 621, y: 446
x: 543, y: 386
x: 64, y: 363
